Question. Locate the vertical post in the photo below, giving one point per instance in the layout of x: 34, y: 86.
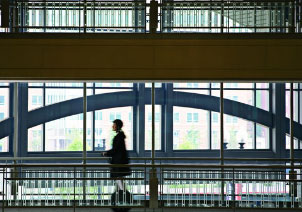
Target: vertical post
x: 291, y: 124
x: 16, y: 137
x: 153, y: 122
x: 84, y: 122
x: 222, y: 16
x: 84, y: 138
x: 85, y: 16
x: 292, y: 174
x: 16, y: 119
x: 153, y: 16
x: 4, y: 14
x: 221, y: 140
x: 153, y: 182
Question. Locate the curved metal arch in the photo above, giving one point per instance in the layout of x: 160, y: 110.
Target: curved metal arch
x: 7, y: 127
x: 75, y: 106
x: 233, y: 108
x: 128, y: 98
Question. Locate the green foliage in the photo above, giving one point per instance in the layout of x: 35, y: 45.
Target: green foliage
x: 191, y: 140
x: 76, y: 137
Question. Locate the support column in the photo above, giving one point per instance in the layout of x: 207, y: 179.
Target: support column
x: 278, y: 109
x: 153, y: 181
x: 140, y: 147
x: 84, y: 138
x: 153, y: 16
x: 221, y: 141
x: 169, y: 120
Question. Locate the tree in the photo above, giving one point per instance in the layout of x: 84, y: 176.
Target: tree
x: 76, y: 138
x: 191, y: 139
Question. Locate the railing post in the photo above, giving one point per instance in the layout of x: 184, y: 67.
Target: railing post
x: 4, y: 13
x: 153, y: 16
x: 221, y: 142
x: 153, y: 189
x: 153, y: 181
x: 3, y: 190
x: 84, y: 140
x: 292, y: 172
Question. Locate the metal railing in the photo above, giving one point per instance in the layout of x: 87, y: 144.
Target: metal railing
x: 179, y: 185
x: 201, y: 16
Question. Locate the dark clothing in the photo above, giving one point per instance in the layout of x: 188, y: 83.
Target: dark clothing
x: 119, y: 155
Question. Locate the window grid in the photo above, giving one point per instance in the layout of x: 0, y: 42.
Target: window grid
x: 212, y: 87
x: 194, y: 117
x: 297, y: 89
x: 92, y: 86
x: 5, y: 112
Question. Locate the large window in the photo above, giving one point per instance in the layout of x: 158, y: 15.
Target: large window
x: 191, y: 131
x: 148, y: 127
x: 4, y: 113
x: 297, y: 110
x: 238, y: 133
x: 192, y: 109
x: 66, y: 133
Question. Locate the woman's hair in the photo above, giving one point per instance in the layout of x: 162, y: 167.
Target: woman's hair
x: 119, y: 124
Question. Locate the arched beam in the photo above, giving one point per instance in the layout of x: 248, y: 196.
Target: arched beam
x: 7, y: 127
x: 75, y: 106
x: 128, y: 98
x: 233, y: 108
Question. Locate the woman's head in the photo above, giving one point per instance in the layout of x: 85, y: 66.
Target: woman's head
x: 117, y: 125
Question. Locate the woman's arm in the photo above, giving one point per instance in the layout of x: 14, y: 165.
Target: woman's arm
x: 115, y: 147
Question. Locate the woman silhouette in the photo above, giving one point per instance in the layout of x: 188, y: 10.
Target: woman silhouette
x: 118, y: 153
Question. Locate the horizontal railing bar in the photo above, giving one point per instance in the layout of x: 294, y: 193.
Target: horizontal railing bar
x: 225, y: 27
x: 155, y: 165
x: 70, y: 178
x: 146, y: 158
x: 230, y: 179
x: 75, y: 27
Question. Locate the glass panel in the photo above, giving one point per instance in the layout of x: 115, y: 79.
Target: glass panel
x: 103, y: 127
x: 205, y: 92
x: 100, y: 91
x: 296, y: 102
x: 215, y: 85
x: 237, y: 130
x: 113, y: 85
x: 59, y: 84
x: 4, y: 84
x: 4, y: 103
x: 191, y: 85
x: 66, y: 134
x: 238, y: 85
x: 148, y: 127
x: 35, y: 84
x: 192, y: 131
x: 262, y: 99
x: 149, y: 85
x: 287, y: 86
x: 54, y: 95
x: 288, y: 142
x: 4, y: 144
x: 262, y: 137
x: 215, y: 130
x: 35, y: 98
x: 35, y: 139
x: 262, y: 85
x: 243, y: 96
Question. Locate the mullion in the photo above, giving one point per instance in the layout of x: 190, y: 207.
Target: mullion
x: 298, y: 103
x: 210, y: 118
x: 44, y: 101
x: 93, y: 122
x: 270, y: 110
x: 255, y: 124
